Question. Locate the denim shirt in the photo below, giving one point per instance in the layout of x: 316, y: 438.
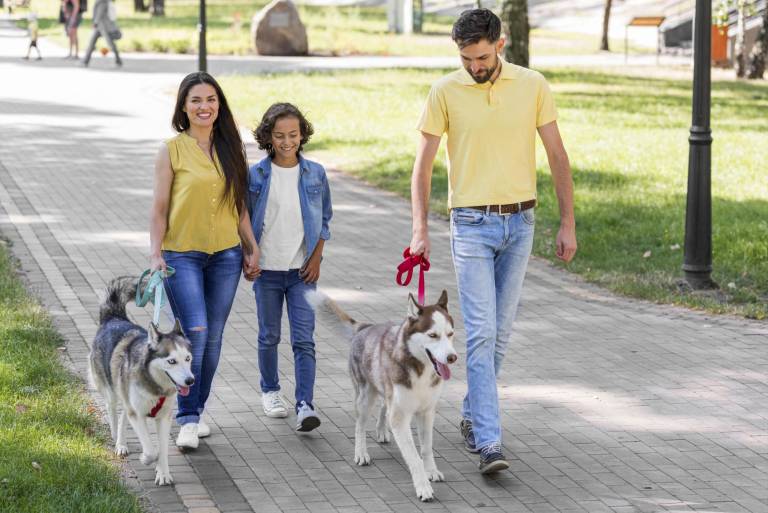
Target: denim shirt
x: 314, y: 198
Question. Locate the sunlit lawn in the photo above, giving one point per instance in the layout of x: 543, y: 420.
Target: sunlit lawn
x: 331, y: 30
x: 53, y: 456
x: 627, y: 139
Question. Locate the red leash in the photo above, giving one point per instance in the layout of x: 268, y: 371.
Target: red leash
x: 405, y: 271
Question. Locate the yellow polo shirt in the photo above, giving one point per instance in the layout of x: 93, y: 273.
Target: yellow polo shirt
x: 491, y: 133
x: 197, y: 221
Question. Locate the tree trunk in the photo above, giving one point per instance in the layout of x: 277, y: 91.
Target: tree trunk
x: 606, y: 19
x: 158, y: 7
x: 759, y: 53
x: 740, y: 57
x: 140, y: 6
x: 514, y: 17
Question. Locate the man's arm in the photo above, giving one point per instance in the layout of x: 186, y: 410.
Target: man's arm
x: 561, y: 176
x: 421, y: 183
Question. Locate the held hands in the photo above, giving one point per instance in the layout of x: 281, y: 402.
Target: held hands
x: 565, y: 243
x: 251, y: 269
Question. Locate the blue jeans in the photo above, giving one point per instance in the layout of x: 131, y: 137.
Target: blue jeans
x: 201, y: 295
x: 490, y: 256
x: 272, y: 288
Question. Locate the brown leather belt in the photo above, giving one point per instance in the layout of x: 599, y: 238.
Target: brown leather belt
x: 511, y: 208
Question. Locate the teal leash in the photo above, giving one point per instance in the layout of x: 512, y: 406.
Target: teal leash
x: 154, y: 291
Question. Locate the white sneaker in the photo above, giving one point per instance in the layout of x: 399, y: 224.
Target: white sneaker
x: 203, y: 429
x: 187, y: 438
x: 273, y: 405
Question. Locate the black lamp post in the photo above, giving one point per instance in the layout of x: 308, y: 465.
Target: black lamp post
x: 697, y: 263
x: 202, y: 53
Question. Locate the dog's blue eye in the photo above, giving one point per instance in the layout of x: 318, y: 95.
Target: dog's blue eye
x: 172, y: 361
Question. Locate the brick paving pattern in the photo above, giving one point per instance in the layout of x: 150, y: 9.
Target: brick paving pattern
x: 609, y: 405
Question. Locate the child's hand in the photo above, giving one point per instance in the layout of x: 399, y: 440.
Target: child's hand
x: 310, y: 273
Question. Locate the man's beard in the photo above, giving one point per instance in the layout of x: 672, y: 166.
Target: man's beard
x: 485, y: 77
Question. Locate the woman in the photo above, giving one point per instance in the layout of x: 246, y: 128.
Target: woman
x: 73, y: 16
x: 200, y: 227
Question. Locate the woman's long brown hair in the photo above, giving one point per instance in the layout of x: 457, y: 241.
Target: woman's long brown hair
x: 225, y: 139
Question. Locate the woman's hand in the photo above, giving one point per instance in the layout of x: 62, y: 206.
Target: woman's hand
x: 156, y: 262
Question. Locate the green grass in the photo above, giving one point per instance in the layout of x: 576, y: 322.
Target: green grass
x: 330, y: 30
x: 627, y: 140
x: 45, y: 418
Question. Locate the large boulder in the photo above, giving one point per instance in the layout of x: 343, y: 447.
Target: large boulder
x: 277, y: 30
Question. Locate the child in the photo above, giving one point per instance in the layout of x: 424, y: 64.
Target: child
x: 33, y: 32
x: 289, y: 201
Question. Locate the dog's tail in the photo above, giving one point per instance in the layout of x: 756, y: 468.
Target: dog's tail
x: 119, y: 291
x: 318, y: 301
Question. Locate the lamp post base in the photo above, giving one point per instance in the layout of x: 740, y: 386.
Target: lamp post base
x: 697, y: 280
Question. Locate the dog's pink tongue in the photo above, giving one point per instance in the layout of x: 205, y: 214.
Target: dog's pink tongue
x: 443, y: 370
x: 184, y: 391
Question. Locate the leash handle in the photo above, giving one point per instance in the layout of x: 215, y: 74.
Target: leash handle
x: 158, y: 304
x: 405, y: 271
x: 154, y: 290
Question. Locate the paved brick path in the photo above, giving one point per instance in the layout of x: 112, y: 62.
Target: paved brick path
x: 609, y: 405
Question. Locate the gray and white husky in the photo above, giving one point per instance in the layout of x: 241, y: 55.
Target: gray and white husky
x: 143, y: 371
x: 405, y: 364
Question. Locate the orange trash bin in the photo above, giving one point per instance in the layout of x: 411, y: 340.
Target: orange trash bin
x: 719, y: 43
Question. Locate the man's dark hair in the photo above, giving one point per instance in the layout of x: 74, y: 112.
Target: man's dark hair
x: 263, y: 132
x: 474, y: 25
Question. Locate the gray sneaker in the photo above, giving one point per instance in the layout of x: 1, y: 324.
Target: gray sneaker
x: 492, y: 459
x: 306, y: 418
x: 465, y: 426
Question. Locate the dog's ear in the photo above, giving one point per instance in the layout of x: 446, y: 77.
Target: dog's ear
x: 443, y: 301
x: 177, y: 328
x: 414, y: 308
x: 154, y: 334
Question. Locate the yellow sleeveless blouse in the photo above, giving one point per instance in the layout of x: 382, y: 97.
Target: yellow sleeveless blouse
x: 196, y: 219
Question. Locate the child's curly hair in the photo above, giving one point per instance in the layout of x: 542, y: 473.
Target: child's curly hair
x: 263, y: 132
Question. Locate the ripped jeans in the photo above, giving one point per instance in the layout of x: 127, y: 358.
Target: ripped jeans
x: 201, y: 295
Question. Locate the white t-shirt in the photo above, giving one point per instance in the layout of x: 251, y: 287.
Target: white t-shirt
x: 282, y: 241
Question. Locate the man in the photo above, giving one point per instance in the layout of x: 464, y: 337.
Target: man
x: 104, y: 25
x: 491, y: 111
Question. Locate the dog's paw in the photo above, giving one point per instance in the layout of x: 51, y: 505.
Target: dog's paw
x: 382, y: 436
x: 362, y: 459
x: 424, y: 491
x: 163, y: 477
x: 121, y: 450
x: 435, y: 475
x: 148, y: 458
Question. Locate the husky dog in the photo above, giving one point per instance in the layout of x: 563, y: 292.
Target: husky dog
x: 143, y: 371
x: 405, y: 364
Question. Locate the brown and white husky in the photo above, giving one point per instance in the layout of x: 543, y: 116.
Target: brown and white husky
x: 405, y: 364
